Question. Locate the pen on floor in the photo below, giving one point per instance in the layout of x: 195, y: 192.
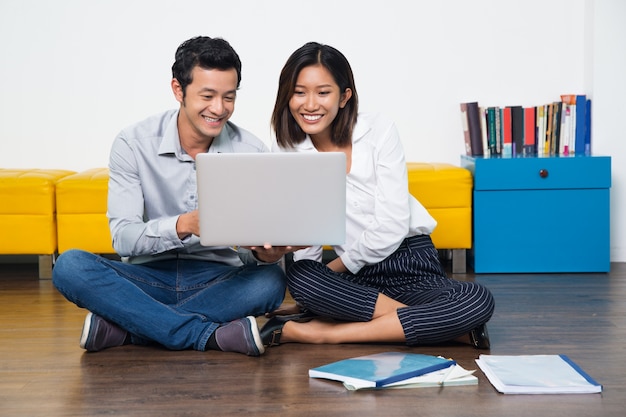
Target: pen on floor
x: 446, y: 375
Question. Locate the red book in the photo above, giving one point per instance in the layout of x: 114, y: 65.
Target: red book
x: 530, y: 133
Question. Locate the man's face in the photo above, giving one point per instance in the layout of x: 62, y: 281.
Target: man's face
x: 208, y: 103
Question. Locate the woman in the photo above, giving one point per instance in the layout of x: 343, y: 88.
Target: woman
x: 387, y: 283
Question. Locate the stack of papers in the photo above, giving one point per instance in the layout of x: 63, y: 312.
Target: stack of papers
x: 536, y: 374
x: 395, y: 370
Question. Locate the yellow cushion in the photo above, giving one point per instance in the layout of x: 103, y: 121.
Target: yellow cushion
x: 446, y: 192
x: 27, y: 211
x: 439, y: 185
x: 81, y: 212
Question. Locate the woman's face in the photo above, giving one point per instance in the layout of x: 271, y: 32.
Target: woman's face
x: 316, y: 101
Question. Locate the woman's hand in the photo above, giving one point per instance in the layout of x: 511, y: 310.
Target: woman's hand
x: 337, y: 265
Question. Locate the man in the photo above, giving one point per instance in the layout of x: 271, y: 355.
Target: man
x: 168, y: 289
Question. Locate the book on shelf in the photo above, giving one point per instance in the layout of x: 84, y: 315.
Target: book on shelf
x: 466, y: 133
x: 492, y: 130
x: 380, y: 369
x: 536, y: 374
x: 555, y: 141
x: 517, y: 130
x: 530, y: 132
x: 587, y: 139
x: 541, y: 129
x: 470, y: 117
x: 568, y: 124
x: 581, y: 123
x: 507, y: 139
x: 483, y: 131
x: 498, y: 112
x: 547, y: 143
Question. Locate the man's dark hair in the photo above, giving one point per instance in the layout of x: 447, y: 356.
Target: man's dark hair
x: 207, y: 53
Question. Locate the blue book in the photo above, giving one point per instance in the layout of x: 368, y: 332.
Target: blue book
x: 380, y: 369
x: 581, y: 124
x: 588, y: 128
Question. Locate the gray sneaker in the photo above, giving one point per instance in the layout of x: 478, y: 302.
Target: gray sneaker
x: 241, y: 336
x: 100, y: 334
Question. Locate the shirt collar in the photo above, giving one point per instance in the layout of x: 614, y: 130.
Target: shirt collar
x: 170, y: 144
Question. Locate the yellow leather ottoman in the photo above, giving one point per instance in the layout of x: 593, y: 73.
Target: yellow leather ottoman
x: 27, y: 214
x: 446, y: 192
x: 81, y: 212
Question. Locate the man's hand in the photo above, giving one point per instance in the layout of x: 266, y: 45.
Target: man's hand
x: 188, y: 224
x: 269, y: 253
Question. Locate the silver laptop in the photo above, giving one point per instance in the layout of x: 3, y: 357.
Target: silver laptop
x: 253, y: 199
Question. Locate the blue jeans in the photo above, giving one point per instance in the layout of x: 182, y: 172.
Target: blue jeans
x: 176, y: 303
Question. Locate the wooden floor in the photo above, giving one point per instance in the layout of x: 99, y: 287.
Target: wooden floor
x: 43, y: 372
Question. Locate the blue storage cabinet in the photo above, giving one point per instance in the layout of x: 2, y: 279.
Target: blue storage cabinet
x: 534, y: 214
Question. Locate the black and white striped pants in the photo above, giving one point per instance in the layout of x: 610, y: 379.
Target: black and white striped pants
x: 438, y: 308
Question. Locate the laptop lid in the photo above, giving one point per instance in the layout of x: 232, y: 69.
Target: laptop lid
x: 289, y: 198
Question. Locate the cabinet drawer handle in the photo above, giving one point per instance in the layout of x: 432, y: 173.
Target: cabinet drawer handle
x: 543, y: 173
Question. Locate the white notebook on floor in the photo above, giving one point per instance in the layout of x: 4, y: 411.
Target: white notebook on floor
x: 536, y: 374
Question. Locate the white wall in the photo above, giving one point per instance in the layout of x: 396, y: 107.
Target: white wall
x: 74, y: 73
x: 609, y: 108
